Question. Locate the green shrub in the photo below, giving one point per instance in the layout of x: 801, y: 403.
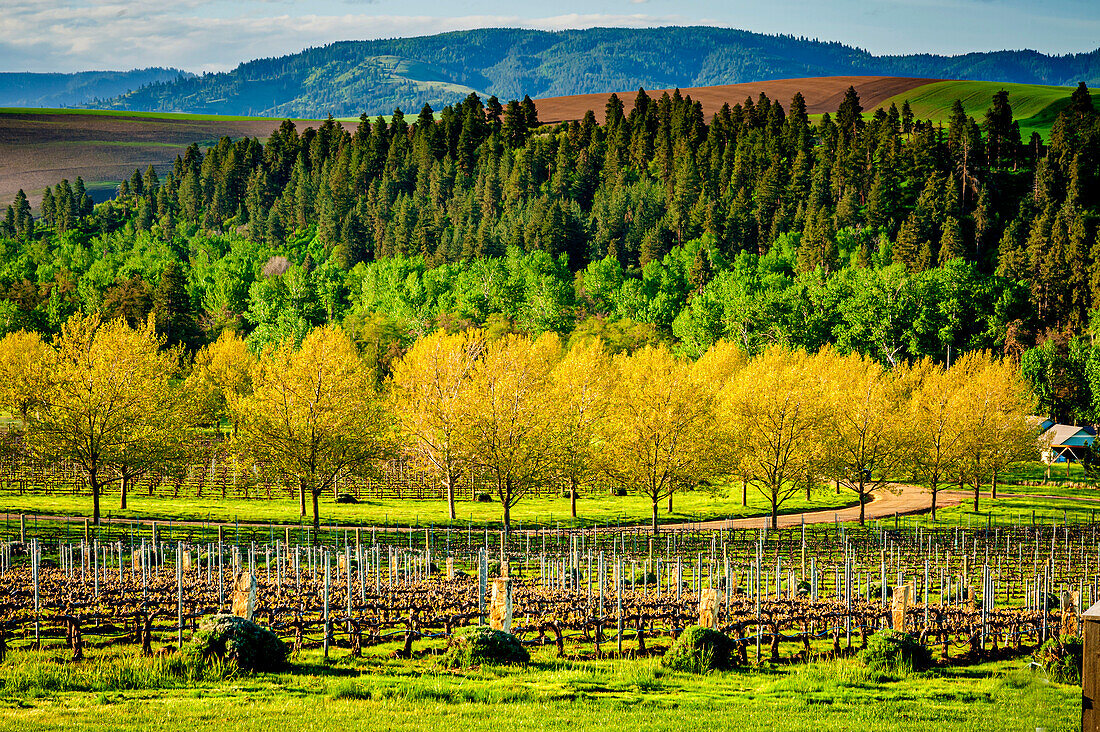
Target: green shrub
x: 480, y: 646
x: 699, y: 650
x: 249, y: 646
x: 889, y: 650
x: 484, y: 498
x: 1061, y: 658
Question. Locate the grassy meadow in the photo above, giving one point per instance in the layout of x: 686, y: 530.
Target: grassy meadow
x: 631, y: 510
x: 114, y: 690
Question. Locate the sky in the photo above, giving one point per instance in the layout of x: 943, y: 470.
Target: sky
x: 215, y: 35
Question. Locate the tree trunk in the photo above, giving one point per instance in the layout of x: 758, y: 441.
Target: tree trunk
x: 775, y: 512
x: 316, y: 515
x: 573, y: 496
x: 744, y: 493
x: 125, y: 485
x: 655, y: 516
x: 993, y: 486
x: 507, y: 518
x: 934, y: 492
x: 449, y: 484
x: 302, y: 497
x: 862, y: 504
x: 670, y: 502
x: 977, y: 487
x: 94, y: 483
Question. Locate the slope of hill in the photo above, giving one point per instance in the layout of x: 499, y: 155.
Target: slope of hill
x: 351, y: 77
x: 39, y: 147
x: 19, y: 89
x: 1034, y: 106
x: 822, y: 94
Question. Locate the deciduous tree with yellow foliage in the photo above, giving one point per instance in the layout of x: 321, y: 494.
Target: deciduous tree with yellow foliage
x: 772, y: 410
x: 313, y: 414
x: 658, y: 434
x: 430, y: 391
x: 221, y: 370
x: 511, y: 431
x: 864, y: 440
x: 107, y: 400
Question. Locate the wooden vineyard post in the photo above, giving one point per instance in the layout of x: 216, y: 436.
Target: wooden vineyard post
x: 1090, y: 671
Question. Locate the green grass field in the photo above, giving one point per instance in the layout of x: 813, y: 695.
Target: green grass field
x: 629, y: 510
x: 114, y: 690
x: 122, y: 113
x: 1033, y: 105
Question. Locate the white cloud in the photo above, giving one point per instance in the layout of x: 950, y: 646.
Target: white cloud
x: 36, y: 35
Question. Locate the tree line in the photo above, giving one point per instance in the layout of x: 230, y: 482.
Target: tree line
x: 519, y: 413
x: 879, y: 234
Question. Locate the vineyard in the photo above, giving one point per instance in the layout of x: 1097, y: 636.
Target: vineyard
x: 782, y: 595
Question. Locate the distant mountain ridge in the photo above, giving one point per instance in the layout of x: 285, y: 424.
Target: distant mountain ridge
x: 350, y: 77
x: 26, y: 89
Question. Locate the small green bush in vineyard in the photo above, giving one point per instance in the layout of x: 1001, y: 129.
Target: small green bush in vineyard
x: 1061, y: 657
x: 228, y: 638
x: 889, y: 650
x: 699, y: 650
x: 480, y: 646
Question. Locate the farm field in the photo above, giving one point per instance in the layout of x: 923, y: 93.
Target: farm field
x: 1034, y: 106
x: 823, y: 94
x: 39, y: 147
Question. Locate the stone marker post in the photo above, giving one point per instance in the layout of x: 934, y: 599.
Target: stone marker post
x: 900, y: 606
x: 1070, y: 598
x: 500, y: 608
x: 244, y: 596
x: 708, y: 609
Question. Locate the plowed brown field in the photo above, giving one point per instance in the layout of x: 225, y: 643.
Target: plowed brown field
x: 39, y: 149
x: 823, y: 94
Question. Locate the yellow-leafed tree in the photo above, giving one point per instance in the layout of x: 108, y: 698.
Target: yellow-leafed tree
x: 771, y: 411
x: 995, y: 402
x: 313, y: 414
x: 936, y: 433
x: 659, y: 431
x: 430, y: 393
x: 581, y: 385
x: 222, y: 369
x: 511, y: 432
x: 22, y: 359
x: 864, y: 443
x: 107, y: 401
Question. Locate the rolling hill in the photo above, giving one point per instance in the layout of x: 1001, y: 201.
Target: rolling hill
x: 19, y: 89
x: 1034, y: 106
x: 39, y: 147
x: 351, y: 77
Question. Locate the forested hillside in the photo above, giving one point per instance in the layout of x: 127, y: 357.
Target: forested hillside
x: 69, y: 90
x: 886, y: 236
x: 351, y: 77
